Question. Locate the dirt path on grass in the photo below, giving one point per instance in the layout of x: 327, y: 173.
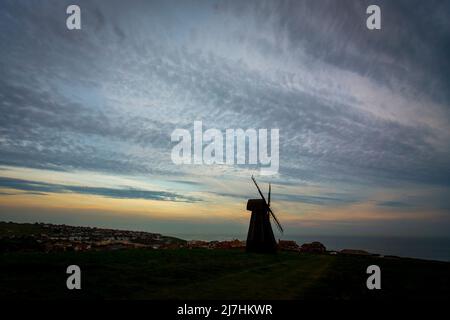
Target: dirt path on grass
x: 284, y: 279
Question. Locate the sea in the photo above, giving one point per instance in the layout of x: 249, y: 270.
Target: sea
x: 429, y: 248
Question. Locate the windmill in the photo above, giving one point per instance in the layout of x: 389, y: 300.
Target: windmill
x: 260, y: 236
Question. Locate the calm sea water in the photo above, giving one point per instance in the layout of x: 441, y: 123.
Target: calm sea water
x: 423, y: 248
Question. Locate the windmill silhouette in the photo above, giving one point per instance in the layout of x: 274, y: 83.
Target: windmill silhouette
x: 260, y: 236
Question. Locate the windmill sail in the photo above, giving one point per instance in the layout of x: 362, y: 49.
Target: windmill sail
x: 259, y: 190
x: 278, y: 224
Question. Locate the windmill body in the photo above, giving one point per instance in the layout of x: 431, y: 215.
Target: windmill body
x: 260, y: 236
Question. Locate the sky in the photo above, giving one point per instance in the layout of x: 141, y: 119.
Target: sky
x: 364, y: 115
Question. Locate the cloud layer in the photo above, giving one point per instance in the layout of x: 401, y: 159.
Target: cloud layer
x: 42, y: 188
x: 358, y: 110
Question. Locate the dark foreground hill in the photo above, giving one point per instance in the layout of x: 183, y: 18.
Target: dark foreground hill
x: 217, y: 274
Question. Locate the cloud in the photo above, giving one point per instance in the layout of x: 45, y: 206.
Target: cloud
x: 319, y: 200
x: 332, y: 200
x: 41, y: 188
x: 394, y: 204
x: 357, y: 110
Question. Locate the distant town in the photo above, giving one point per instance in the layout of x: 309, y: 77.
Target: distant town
x: 45, y: 237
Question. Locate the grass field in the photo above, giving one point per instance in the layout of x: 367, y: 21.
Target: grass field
x: 217, y: 274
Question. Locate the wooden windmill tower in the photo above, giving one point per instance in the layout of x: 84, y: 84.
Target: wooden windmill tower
x: 260, y: 236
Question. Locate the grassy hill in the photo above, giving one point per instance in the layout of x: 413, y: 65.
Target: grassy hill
x: 217, y: 274
x: 20, y: 229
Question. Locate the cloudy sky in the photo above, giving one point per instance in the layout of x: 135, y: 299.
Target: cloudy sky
x: 364, y: 116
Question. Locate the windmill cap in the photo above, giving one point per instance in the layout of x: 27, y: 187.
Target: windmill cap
x: 256, y: 204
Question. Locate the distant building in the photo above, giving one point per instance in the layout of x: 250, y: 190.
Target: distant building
x: 355, y: 252
x: 313, y: 247
x: 288, y: 245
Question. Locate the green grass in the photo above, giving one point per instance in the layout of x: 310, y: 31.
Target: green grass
x: 217, y: 274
